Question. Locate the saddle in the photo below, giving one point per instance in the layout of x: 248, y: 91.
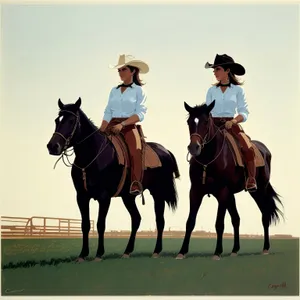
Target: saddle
x: 150, y: 159
x: 236, y: 150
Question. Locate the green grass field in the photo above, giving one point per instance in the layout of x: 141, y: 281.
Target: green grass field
x: 46, y: 267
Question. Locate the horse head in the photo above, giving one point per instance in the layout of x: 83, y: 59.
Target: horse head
x: 67, y: 128
x: 200, y: 124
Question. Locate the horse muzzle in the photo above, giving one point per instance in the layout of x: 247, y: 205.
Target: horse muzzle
x: 194, y: 149
x: 54, y: 148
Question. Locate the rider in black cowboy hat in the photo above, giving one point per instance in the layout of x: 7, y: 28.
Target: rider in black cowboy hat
x: 230, y: 99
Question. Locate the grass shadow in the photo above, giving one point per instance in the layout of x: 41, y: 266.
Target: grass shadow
x: 169, y: 254
x: 42, y: 263
x: 72, y: 259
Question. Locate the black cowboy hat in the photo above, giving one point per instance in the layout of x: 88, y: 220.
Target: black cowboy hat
x: 227, y: 61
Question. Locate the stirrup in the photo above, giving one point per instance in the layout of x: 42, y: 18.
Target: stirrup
x: 136, y: 191
x: 253, y: 187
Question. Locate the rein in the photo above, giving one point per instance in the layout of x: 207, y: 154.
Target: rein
x: 68, y: 140
x: 203, y: 143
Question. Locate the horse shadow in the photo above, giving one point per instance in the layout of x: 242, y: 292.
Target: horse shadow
x: 114, y: 256
x: 169, y: 254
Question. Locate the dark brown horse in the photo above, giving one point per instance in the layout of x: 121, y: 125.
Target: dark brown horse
x: 210, y: 153
x: 96, y: 159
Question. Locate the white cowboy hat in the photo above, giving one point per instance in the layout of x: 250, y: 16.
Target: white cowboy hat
x: 125, y: 60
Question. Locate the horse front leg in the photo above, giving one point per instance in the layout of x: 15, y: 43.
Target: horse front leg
x: 222, y: 197
x: 235, y: 221
x: 129, y: 202
x: 104, y: 204
x: 83, y: 202
x: 196, y: 196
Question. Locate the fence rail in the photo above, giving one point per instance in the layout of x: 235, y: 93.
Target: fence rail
x: 49, y: 227
x: 46, y: 227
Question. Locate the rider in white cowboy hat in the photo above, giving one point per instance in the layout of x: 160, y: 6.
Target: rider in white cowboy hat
x: 129, y: 60
x: 125, y: 108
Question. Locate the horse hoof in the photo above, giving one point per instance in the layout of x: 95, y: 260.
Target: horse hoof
x: 180, y: 256
x: 233, y: 254
x: 265, y: 252
x: 97, y: 259
x: 155, y: 255
x: 216, y: 257
x: 125, y: 256
x: 79, y: 259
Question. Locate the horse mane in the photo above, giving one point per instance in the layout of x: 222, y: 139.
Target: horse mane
x: 82, y: 115
x: 198, y: 110
x: 86, y: 118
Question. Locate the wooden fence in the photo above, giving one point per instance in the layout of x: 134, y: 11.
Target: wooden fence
x: 45, y: 227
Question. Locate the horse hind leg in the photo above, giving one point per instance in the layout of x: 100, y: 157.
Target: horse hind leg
x: 159, y: 208
x: 260, y: 200
x: 265, y: 198
x: 162, y: 192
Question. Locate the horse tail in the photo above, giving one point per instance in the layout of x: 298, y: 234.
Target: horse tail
x: 169, y: 185
x: 171, y: 196
x: 175, y: 165
x: 271, y: 197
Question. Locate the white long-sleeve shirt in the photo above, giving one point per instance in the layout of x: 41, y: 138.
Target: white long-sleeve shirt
x: 229, y: 103
x: 124, y: 105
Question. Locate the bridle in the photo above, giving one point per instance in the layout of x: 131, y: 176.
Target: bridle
x: 204, y: 141
x: 77, y: 123
x: 68, y: 141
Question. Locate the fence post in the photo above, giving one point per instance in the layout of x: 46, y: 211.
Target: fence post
x: 31, y: 226
x: 44, y: 229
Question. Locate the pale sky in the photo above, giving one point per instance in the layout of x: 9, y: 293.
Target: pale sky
x: 50, y: 52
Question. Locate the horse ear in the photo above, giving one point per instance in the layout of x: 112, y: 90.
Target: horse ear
x: 187, y: 107
x: 211, y: 106
x: 78, y: 103
x: 60, y: 104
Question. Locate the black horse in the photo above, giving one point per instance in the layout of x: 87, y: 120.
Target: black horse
x: 96, y: 160
x: 212, y: 160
